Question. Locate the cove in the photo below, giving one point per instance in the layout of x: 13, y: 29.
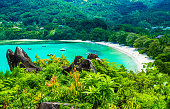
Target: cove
x: 42, y: 48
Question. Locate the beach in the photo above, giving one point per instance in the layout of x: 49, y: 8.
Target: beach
x: 75, y: 41
x: 140, y: 59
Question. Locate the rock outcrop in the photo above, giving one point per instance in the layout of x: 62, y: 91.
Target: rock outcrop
x: 92, y: 56
x: 82, y: 64
x: 77, y: 60
x: 20, y: 56
x: 57, y: 105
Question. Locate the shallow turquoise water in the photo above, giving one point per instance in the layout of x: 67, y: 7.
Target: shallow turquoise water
x: 72, y: 50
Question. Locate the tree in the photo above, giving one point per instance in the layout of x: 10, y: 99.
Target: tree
x: 71, y: 22
x: 112, y: 38
x: 147, y: 42
x: 83, y: 35
x: 99, y: 34
x: 50, y: 26
x: 164, y: 57
x: 144, y: 24
x: 162, y: 61
x: 131, y: 37
x: 87, y: 25
x: 100, y: 23
x: 138, y: 43
x: 121, y: 37
x: 166, y: 49
x: 155, y: 48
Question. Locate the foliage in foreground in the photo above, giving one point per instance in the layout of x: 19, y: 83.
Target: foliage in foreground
x: 111, y: 87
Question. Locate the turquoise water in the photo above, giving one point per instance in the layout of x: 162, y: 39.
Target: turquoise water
x: 72, y: 50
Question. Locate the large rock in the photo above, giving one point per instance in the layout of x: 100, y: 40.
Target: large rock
x: 57, y: 105
x: 82, y: 64
x: 77, y: 60
x: 92, y: 56
x: 87, y: 65
x: 20, y: 56
x: 75, y: 64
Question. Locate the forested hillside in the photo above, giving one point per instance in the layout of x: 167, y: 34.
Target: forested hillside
x: 41, y: 12
x: 157, y: 15
x: 110, y: 10
x: 149, y: 3
x: 144, y: 13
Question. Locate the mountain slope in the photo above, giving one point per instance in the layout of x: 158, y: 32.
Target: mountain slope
x: 110, y: 10
x: 37, y: 11
x: 143, y: 13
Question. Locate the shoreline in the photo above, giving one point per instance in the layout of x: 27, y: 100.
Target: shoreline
x: 131, y: 52
x: 75, y: 41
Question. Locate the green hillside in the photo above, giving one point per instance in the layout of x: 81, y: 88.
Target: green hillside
x: 144, y: 13
x: 149, y: 3
x: 157, y: 15
x: 110, y: 10
x: 37, y: 11
x: 135, y: 12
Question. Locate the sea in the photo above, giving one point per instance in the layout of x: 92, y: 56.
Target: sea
x: 72, y: 49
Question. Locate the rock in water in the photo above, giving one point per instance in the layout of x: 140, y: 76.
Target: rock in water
x: 20, y: 56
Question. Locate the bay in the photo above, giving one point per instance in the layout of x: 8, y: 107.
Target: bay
x: 72, y: 49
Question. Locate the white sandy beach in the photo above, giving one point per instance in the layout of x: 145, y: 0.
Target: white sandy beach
x: 131, y: 52
x: 75, y: 41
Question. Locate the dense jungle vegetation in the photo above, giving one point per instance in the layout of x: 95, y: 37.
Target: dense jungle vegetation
x: 112, y: 87
x: 142, y: 24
